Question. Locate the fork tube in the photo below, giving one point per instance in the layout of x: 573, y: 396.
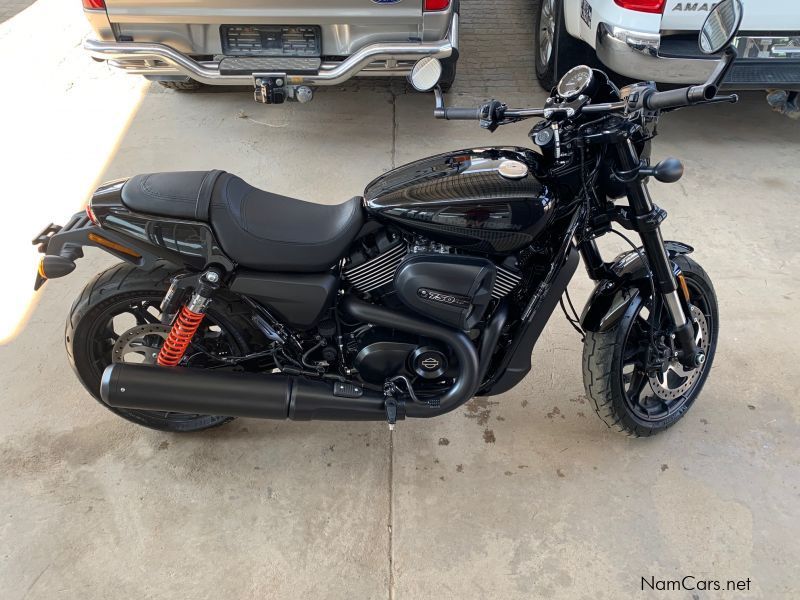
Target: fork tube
x: 642, y: 204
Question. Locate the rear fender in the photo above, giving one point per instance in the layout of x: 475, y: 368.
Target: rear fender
x: 612, y: 296
x: 133, y: 237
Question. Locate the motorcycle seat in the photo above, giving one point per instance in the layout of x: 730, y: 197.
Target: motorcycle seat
x: 255, y: 228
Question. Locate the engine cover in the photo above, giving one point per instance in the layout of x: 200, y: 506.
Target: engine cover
x: 454, y: 290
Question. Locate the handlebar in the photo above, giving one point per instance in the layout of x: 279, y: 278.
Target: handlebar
x: 669, y: 99
x: 495, y: 113
x: 688, y: 96
x: 460, y: 114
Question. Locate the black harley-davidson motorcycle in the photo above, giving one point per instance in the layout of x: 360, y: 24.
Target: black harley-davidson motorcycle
x: 431, y: 289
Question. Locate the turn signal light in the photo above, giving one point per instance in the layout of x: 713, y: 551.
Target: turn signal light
x: 648, y: 6
x: 94, y: 4
x: 98, y: 239
x: 436, y: 4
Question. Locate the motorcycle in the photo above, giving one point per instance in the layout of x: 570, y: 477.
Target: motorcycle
x: 431, y: 289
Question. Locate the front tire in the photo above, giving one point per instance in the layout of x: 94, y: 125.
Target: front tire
x: 126, y: 296
x: 625, y: 397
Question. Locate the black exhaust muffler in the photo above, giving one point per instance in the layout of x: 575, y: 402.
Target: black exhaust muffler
x: 215, y: 392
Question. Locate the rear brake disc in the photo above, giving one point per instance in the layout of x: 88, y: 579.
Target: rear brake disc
x: 145, y: 341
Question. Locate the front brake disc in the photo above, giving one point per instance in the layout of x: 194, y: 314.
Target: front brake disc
x: 675, y: 380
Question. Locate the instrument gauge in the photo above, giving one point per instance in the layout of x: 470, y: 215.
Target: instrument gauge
x: 575, y: 82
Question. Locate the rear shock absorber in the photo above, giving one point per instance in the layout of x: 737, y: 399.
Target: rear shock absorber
x: 188, y: 321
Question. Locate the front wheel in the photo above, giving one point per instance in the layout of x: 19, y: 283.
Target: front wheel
x: 617, y: 364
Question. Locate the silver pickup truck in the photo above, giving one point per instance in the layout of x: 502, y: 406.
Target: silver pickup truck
x: 282, y: 47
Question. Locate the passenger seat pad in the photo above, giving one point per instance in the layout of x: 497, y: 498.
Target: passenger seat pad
x: 181, y: 194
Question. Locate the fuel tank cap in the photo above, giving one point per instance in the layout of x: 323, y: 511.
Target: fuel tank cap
x: 512, y: 169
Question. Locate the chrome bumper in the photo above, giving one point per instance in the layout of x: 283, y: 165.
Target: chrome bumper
x: 636, y: 55
x: 391, y: 58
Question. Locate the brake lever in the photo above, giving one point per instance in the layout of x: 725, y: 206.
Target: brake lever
x: 732, y: 98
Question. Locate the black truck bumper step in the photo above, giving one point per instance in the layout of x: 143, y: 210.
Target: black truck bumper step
x: 767, y: 74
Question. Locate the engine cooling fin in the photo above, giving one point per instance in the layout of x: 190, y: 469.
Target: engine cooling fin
x: 377, y: 271
x: 505, y: 282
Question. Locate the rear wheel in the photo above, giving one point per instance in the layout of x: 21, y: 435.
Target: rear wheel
x: 629, y: 395
x: 116, y: 319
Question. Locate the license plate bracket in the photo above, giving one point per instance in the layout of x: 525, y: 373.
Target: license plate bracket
x: 770, y: 47
x: 271, y: 40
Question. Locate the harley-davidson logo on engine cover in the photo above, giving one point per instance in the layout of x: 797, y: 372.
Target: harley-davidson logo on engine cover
x: 443, y: 297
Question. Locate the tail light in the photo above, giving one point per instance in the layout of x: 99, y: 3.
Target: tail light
x: 648, y: 6
x: 94, y: 4
x: 91, y: 215
x: 436, y: 4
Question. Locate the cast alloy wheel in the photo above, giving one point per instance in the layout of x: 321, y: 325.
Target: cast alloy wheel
x: 547, y: 30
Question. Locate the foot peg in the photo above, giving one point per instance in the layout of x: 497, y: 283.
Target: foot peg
x: 394, y: 409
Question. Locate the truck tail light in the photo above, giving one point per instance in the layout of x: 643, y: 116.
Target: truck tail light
x: 436, y: 4
x: 94, y: 4
x: 648, y: 6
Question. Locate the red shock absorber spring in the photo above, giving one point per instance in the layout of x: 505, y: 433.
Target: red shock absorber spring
x: 180, y: 335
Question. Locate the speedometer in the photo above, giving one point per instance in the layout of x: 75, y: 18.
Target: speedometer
x: 575, y: 82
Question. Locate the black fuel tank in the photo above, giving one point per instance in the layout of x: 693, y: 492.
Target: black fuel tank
x: 485, y: 199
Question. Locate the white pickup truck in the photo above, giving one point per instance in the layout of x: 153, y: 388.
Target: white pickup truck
x: 656, y: 40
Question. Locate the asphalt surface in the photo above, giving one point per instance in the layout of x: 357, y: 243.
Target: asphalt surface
x: 526, y: 495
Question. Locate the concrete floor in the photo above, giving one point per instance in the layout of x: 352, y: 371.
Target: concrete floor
x: 526, y: 495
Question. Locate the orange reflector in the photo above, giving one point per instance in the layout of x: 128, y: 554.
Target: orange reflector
x: 113, y: 245
x: 684, y: 287
x: 40, y: 269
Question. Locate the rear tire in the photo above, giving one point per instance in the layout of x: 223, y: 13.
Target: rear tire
x: 606, y: 355
x: 124, y: 284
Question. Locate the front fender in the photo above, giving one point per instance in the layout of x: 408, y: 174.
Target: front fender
x: 630, y: 278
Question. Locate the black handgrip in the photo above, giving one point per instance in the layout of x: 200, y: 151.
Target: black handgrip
x: 669, y: 99
x: 462, y: 114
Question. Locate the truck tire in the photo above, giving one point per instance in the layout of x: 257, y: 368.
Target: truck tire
x: 189, y: 85
x: 448, y: 72
x: 556, y: 50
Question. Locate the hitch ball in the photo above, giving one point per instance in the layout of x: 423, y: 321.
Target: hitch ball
x: 303, y: 94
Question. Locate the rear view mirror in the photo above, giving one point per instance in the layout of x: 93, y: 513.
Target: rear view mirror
x: 425, y: 74
x: 721, y: 26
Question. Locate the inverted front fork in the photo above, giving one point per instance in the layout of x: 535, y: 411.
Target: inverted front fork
x: 660, y: 265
